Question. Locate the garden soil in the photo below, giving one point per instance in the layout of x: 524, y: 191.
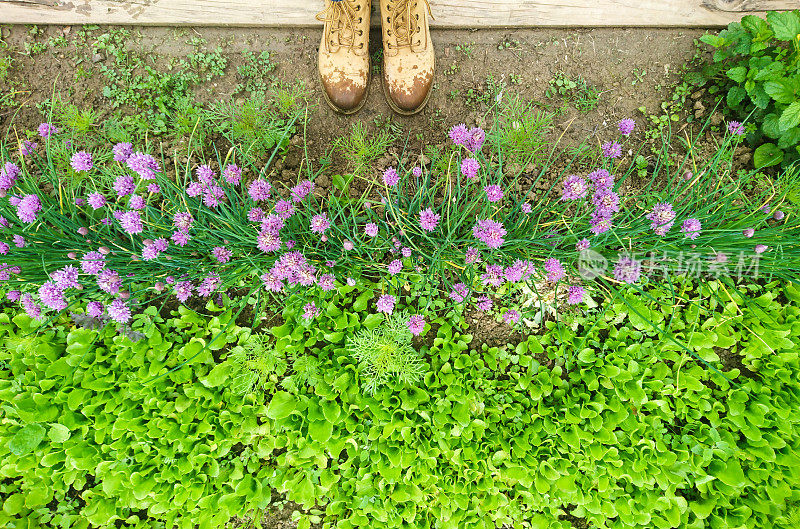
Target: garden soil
x: 627, y: 68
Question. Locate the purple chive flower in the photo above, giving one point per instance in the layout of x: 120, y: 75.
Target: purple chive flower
x: 459, y: 292
x: 494, y: 193
x: 390, y: 177
x: 194, y: 189
x: 131, y: 222
x: 209, y: 284
x: 626, y: 126
x: 348, y: 245
x: 326, y: 282
x: 601, y: 179
x: 428, y: 220
x: 691, y: 228
x: 260, y: 190
x: 320, y: 223
x: 94, y: 309
x: 612, y: 149
x: 748, y: 232
x: 627, y: 270
x: 8, y: 176
x: 459, y: 134
x: 406, y: 251
x: 606, y: 201
x: 205, y: 174
x: 735, y: 128
x: 52, y: 296
x: 582, y: 245
x: 93, y: 263
x: 469, y: 168
x: 28, y: 207
x: 493, y: 276
x: 81, y: 161
x: 484, y: 304
x: 475, y: 139
x: 13, y: 295
x: 136, y: 202
x: 109, y: 281
x: 779, y: 215
x: 119, y: 311
x: 385, y: 303
x: 124, y: 185
x: 46, y: 130
x: 490, y: 232
x: 761, y: 248
x: 153, y: 188
x: 302, y: 190
x: 575, y: 294
x: 416, y: 324
x: 555, y: 270
x: 212, y: 196
x: 284, y: 209
x: 144, y: 165
x: 472, y: 255
x: 27, y: 147
x: 32, y: 309
x: 395, y: 266
x: 232, y: 174
x: 182, y: 221
x: 662, y: 217
x: 416, y: 171
x: 526, y: 208
x: 268, y: 241
x: 574, y: 188
x: 351, y: 282
x: 255, y: 214
x: 511, y: 317
x: 183, y: 290
x: 4, y: 248
x: 371, y: 229
x: 122, y: 151
x: 272, y: 223
x: 96, y: 200
x: 310, y: 311
x: 271, y: 282
x: 19, y: 241
x: 221, y: 254
x: 513, y: 273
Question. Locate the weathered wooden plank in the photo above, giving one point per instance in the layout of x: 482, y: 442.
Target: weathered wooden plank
x: 448, y: 13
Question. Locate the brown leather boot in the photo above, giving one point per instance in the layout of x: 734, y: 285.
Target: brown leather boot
x: 408, y: 59
x: 343, y: 54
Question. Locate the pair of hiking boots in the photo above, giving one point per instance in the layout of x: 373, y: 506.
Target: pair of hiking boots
x: 408, y: 60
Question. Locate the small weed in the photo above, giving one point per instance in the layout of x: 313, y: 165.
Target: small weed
x: 576, y: 91
x: 465, y: 49
x: 360, y: 148
x: 255, y: 73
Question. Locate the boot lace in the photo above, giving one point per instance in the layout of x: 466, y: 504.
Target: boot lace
x: 341, y: 19
x: 404, y: 24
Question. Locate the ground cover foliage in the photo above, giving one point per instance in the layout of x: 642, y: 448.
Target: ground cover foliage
x: 626, y: 430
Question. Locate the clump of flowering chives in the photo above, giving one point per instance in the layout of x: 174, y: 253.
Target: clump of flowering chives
x: 46, y: 130
x: 417, y: 171
x: 574, y: 188
x: 475, y: 139
x: 27, y: 147
x: 511, y: 317
x: 371, y: 229
x: 81, y: 161
x: 582, y: 245
x: 260, y: 190
x: 221, y: 254
x: 131, y: 222
x: 302, y: 190
x: 310, y: 311
x: 575, y: 294
x: 320, y: 223
x: 626, y: 126
x: 472, y: 255
x: 459, y: 292
x: 601, y: 179
x: 612, y: 149
x: 735, y: 128
x: 144, y: 165
x: 28, y: 207
x: 691, y: 228
x: 390, y: 177
x: 385, y: 304
x: 119, y: 311
x: 416, y: 324
x: 459, y: 134
x: 627, y: 270
x: 469, y: 168
x: 395, y: 266
x: 428, y: 220
x: 555, y: 270
x: 122, y: 151
x: 8, y: 176
x: 662, y: 217
x: 494, y: 193
x: 124, y: 185
x: 491, y: 232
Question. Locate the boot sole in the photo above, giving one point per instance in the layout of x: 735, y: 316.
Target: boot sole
x: 353, y: 110
x: 395, y: 107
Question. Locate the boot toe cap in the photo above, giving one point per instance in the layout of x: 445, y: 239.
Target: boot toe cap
x: 345, y: 95
x: 410, y: 97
